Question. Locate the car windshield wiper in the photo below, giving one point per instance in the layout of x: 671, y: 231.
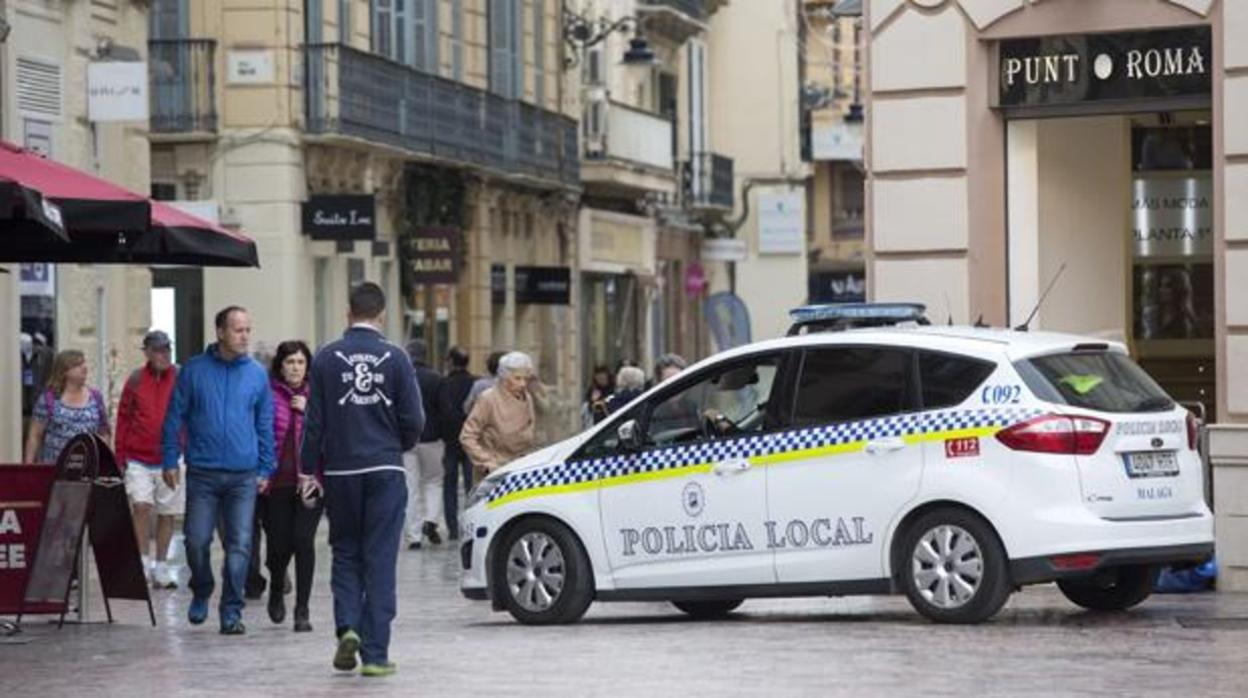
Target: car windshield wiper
x: 1156, y: 403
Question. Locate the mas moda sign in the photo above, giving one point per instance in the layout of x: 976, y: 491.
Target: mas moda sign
x: 340, y: 217
x: 1059, y: 70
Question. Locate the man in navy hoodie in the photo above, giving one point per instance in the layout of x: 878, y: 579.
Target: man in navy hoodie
x: 364, y: 411
x: 223, y: 405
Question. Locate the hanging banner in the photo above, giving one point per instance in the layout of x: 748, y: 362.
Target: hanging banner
x: 340, y: 217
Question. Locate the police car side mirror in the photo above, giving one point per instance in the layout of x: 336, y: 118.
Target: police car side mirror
x: 629, y: 435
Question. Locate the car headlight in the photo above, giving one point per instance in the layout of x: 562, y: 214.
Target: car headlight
x: 482, y: 491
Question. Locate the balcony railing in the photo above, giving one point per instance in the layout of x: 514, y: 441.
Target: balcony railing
x: 711, y: 184
x: 621, y: 132
x: 182, y: 73
x: 694, y: 8
x: 362, y: 95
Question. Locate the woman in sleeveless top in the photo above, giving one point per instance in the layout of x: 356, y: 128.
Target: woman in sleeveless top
x: 66, y: 408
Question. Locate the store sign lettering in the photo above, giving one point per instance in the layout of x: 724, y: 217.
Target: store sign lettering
x: 734, y: 536
x: 12, y: 555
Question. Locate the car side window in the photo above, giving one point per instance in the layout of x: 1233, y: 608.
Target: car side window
x: 947, y: 380
x: 841, y: 384
x: 732, y: 399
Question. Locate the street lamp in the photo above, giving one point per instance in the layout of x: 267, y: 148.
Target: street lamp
x: 581, y: 32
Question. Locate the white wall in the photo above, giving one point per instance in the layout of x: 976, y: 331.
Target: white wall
x: 1069, y: 203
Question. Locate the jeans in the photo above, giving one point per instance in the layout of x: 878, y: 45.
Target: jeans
x: 424, y: 486
x: 233, y: 495
x: 455, y: 465
x: 365, y: 527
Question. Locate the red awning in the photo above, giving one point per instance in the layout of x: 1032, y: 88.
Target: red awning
x: 106, y: 224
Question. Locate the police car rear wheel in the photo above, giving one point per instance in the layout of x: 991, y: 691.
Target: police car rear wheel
x: 1118, y: 590
x: 954, y: 568
x: 544, y: 575
x: 708, y: 610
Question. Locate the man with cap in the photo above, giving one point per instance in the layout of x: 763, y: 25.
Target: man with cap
x: 140, y: 416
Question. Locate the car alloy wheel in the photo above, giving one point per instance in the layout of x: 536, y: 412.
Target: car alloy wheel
x: 535, y: 571
x: 948, y: 566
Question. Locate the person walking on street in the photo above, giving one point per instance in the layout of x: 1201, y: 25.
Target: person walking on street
x: 289, y: 522
x: 140, y: 417
x: 455, y: 388
x: 501, y: 426
x: 364, y: 412
x: 424, y: 462
x: 485, y: 382
x: 66, y: 408
x: 223, y: 404
x: 601, y: 385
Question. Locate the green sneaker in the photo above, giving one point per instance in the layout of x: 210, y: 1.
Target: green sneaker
x: 344, y: 656
x: 379, y: 669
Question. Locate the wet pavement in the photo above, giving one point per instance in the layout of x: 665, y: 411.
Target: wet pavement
x: 448, y: 646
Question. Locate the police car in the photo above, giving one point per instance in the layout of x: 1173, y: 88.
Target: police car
x: 950, y: 464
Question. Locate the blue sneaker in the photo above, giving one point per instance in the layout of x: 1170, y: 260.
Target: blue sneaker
x: 198, y: 612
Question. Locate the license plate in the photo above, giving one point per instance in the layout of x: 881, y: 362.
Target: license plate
x: 1152, y: 464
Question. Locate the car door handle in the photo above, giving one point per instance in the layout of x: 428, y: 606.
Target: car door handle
x: 882, y: 446
x: 731, y: 467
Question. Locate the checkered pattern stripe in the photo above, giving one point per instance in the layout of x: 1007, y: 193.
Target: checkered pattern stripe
x: 922, y: 423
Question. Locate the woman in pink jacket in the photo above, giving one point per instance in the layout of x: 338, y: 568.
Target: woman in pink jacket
x: 289, y: 521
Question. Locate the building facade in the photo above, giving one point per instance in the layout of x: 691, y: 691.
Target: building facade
x: 101, y: 310
x: 428, y: 146
x: 832, y: 121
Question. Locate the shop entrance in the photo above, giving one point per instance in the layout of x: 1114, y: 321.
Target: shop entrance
x: 1119, y: 210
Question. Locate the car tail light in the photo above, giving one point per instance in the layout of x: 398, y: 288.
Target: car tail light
x: 1193, y: 431
x: 1055, y: 433
x: 1075, y: 561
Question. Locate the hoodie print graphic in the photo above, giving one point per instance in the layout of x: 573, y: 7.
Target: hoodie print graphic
x: 364, y: 379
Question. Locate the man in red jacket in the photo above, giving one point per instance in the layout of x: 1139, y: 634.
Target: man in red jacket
x: 140, y: 416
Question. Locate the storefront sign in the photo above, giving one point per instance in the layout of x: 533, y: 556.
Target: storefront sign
x: 723, y: 250
x: 1076, y: 69
x: 781, y: 222
x: 1172, y: 216
x: 433, y: 254
x: 340, y: 217
x: 534, y: 285
x: 838, y: 141
x: 543, y: 285
x: 117, y: 91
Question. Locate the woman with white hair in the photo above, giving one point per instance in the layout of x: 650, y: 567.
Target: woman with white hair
x: 500, y: 427
x: 629, y: 383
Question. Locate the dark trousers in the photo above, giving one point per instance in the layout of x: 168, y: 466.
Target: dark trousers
x: 456, y: 465
x: 290, y: 528
x: 366, y: 515
x: 232, y: 496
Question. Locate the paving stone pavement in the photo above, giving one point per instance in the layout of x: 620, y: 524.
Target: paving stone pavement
x: 1039, y: 645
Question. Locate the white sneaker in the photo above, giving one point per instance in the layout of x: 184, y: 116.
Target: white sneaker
x: 163, y: 577
x: 148, y: 565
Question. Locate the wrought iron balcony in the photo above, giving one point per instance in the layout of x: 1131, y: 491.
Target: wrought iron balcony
x: 710, y: 182
x: 362, y: 95
x: 693, y: 8
x: 182, y: 76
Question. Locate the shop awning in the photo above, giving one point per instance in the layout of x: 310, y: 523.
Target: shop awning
x: 100, y: 222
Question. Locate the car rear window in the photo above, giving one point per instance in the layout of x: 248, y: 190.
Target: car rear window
x: 1104, y: 381
x: 948, y: 380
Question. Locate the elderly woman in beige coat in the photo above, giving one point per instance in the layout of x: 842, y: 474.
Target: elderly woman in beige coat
x: 500, y: 427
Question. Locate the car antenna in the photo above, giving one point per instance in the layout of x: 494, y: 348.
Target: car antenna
x: 949, y: 308
x: 1027, y: 323
x: 979, y: 322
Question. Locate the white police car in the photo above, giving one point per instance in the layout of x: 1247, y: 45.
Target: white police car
x: 951, y: 464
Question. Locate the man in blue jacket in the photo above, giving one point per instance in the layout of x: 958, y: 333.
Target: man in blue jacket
x: 364, y: 412
x: 222, y: 410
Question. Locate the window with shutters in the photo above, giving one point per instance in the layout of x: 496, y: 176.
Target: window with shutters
x: 539, y: 51
x: 406, y: 31
x: 505, y: 54
x: 38, y: 84
x: 457, y: 40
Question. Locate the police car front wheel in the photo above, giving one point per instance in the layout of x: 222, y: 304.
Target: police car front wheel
x: 542, y: 573
x: 953, y: 567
